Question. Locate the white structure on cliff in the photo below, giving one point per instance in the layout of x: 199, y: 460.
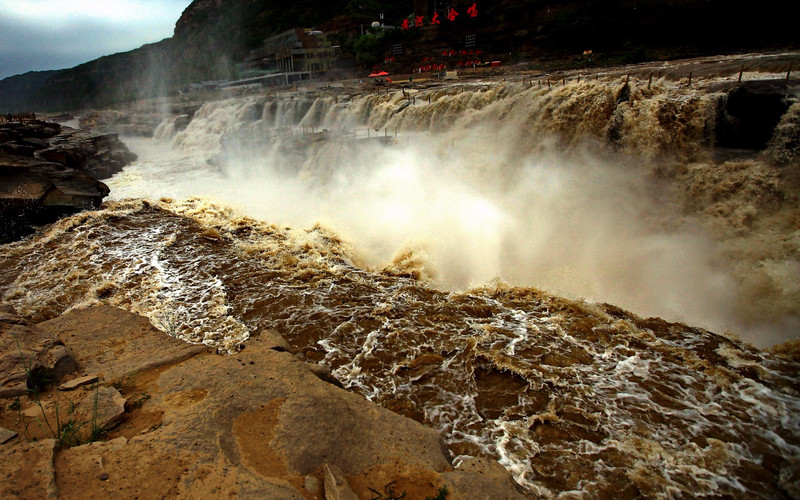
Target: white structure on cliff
x: 296, y: 54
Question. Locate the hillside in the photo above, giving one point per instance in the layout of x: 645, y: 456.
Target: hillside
x: 16, y: 90
x: 211, y: 36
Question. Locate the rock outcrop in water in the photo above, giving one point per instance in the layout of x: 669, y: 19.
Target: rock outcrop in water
x: 47, y: 172
x: 257, y: 424
x: 749, y: 112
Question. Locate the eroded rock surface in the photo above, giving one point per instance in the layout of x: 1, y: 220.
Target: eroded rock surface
x: 27, y: 470
x: 258, y: 423
x: 116, y: 344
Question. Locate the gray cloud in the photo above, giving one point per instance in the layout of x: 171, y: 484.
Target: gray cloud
x: 27, y: 46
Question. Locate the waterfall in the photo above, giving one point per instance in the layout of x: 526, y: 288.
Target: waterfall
x: 603, y: 189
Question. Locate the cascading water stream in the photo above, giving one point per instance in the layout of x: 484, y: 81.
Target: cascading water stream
x: 518, y: 182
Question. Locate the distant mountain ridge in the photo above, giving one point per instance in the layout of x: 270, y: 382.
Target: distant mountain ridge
x: 211, y: 36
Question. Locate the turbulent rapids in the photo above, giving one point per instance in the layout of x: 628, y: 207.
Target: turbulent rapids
x: 394, y: 261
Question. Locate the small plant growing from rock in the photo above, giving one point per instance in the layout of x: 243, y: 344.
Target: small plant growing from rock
x: 168, y: 322
x: 67, y: 433
x: 97, y: 432
x: 140, y: 400
x: 441, y: 494
x: 15, y: 405
x: 122, y: 384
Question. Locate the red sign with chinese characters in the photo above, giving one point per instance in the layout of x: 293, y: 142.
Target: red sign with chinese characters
x: 452, y: 14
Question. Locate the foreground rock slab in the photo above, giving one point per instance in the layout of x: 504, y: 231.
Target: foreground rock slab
x: 258, y: 424
x: 102, y: 408
x: 116, y: 344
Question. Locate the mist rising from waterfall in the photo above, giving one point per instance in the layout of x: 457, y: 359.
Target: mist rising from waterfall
x: 495, y: 181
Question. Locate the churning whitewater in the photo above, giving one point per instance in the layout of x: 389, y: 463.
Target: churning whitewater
x: 395, y: 237
x: 510, y: 181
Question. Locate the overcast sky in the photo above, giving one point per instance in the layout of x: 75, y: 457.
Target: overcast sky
x: 55, y: 34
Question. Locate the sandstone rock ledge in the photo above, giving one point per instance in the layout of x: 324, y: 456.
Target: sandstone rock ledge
x: 259, y: 424
x: 48, y: 171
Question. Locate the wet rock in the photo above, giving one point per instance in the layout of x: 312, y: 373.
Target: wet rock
x: 98, y: 155
x: 139, y: 122
x: 47, y: 173
x: 35, y: 192
x: 38, y: 129
x: 17, y: 150
x: 324, y: 373
x: 63, y: 117
x: 62, y: 155
x: 8, y: 135
x: 623, y: 94
x: 18, y: 139
x: 481, y: 479
x: 34, y: 143
x: 181, y: 122
x: 785, y: 144
x: 748, y: 114
x: 252, y: 112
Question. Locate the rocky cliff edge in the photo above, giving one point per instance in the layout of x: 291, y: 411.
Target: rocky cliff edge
x: 160, y: 418
x: 48, y: 171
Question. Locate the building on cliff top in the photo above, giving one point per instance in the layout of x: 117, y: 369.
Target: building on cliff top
x: 289, y: 57
x: 294, y: 51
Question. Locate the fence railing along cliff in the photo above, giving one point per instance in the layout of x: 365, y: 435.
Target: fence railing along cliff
x: 19, y: 117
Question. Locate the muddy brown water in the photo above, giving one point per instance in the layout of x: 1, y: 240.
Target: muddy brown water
x: 569, y: 396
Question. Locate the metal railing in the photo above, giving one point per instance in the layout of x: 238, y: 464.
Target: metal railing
x: 18, y: 117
